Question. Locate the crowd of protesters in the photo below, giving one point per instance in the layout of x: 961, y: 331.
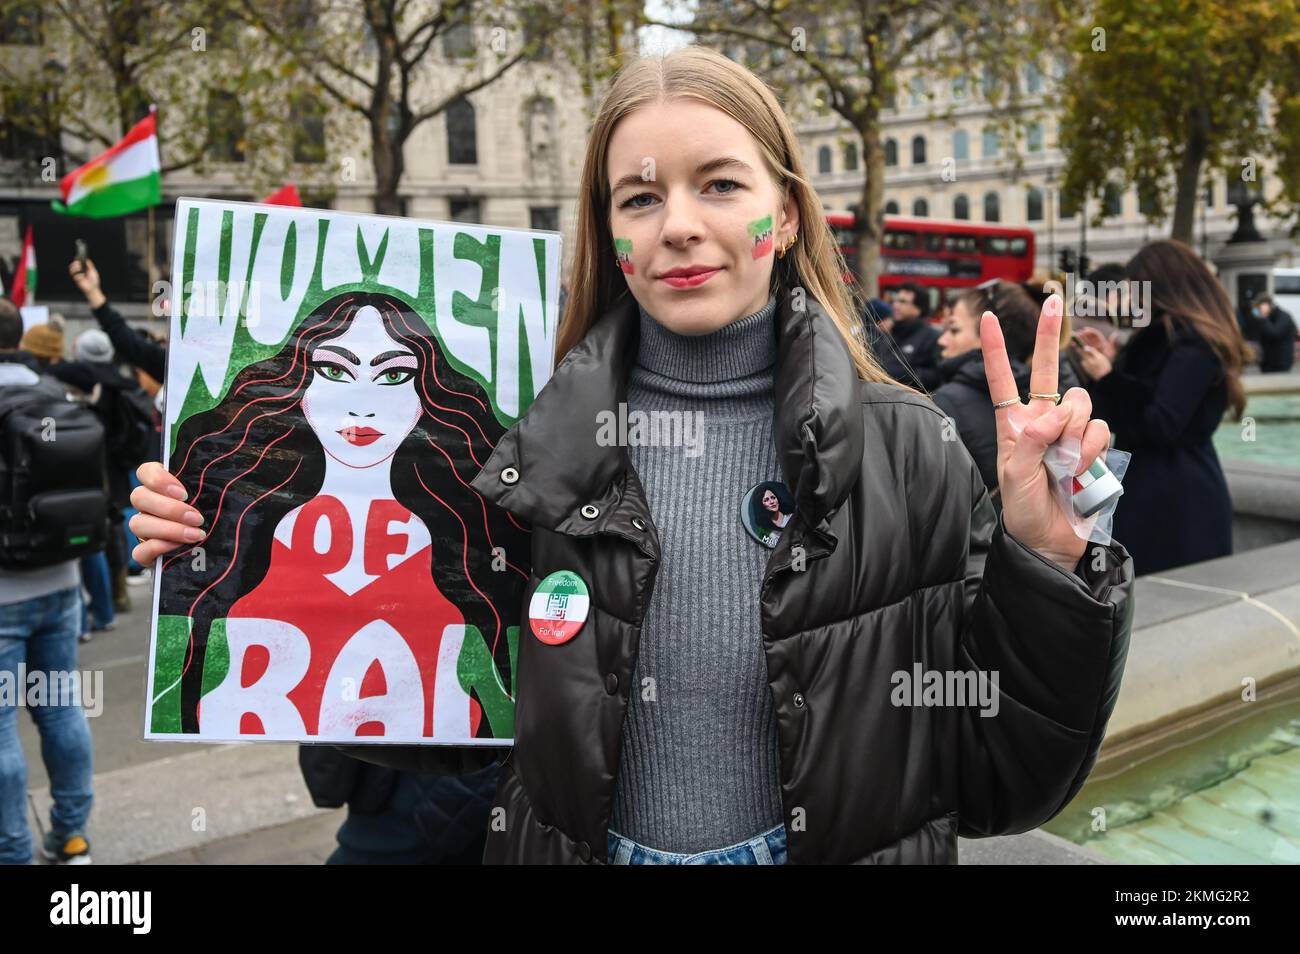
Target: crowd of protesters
x: 76, y: 419
x: 1163, y: 384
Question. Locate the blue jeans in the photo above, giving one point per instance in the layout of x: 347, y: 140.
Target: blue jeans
x: 131, y: 539
x: 767, y: 848
x: 42, y: 633
x: 99, y: 583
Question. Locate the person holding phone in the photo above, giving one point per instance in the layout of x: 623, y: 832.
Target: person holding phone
x: 1166, y: 392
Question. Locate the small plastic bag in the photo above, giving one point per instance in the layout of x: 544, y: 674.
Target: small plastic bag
x: 1089, y: 499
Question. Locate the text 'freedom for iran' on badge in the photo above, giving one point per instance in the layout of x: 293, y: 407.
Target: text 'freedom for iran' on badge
x: 558, y: 607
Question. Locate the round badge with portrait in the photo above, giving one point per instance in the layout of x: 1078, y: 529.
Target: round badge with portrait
x: 766, y: 510
x: 559, y: 607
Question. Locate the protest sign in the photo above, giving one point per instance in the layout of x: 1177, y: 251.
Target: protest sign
x: 334, y: 383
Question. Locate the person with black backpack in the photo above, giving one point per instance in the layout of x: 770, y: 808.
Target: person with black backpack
x: 52, y: 513
x: 131, y: 432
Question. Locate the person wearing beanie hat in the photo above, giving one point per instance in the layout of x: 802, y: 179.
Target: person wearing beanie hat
x: 93, y: 346
x: 45, y: 341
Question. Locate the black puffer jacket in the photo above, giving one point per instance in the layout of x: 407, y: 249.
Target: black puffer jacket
x: 894, y: 559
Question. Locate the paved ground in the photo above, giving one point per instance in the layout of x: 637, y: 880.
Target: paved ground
x: 175, y: 802
x: 171, y: 803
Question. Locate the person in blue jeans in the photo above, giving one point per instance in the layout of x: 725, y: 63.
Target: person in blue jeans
x: 98, y: 581
x: 40, y: 632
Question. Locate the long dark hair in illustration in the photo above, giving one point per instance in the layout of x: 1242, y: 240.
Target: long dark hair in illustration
x: 760, y: 517
x: 253, y: 458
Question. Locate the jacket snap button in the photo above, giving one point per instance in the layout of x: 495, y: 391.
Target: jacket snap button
x: 611, y: 683
x: 638, y: 523
x: 798, y: 700
x: 584, y: 851
x: 509, y: 476
x: 590, y: 512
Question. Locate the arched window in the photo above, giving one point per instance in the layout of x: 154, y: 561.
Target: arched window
x: 961, y: 144
x: 891, y: 207
x: 961, y: 207
x: 850, y: 157
x: 891, y: 152
x: 992, y: 207
x: 920, y: 208
x: 1034, y: 204
x: 824, y: 160
x: 918, y: 150
x: 462, y: 133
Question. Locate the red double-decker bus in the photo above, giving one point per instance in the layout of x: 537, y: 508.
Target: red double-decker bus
x: 941, y: 255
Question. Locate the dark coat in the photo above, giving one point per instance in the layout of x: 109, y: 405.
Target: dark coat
x: 894, y: 559
x: 129, y: 345
x: 1277, y: 335
x: 964, y: 397
x: 1163, y: 400
x: 113, y: 382
x: 909, y: 353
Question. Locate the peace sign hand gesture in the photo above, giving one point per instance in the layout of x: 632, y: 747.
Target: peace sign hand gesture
x: 1030, y: 511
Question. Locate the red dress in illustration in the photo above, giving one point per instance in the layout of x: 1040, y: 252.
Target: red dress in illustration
x: 367, y: 645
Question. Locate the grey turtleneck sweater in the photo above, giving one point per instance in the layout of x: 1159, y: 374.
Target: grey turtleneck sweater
x: 699, y: 766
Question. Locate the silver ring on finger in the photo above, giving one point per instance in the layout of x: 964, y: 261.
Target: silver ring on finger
x: 1007, y: 403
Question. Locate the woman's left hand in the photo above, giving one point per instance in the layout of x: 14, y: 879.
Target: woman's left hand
x: 1030, y: 511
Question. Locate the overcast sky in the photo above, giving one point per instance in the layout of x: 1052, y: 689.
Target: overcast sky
x: 656, y: 40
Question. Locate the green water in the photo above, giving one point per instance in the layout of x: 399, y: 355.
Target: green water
x: 1268, y: 433
x: 1231, y: 795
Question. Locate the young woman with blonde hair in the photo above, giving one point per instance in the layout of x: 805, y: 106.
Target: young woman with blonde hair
x: 727, y: 702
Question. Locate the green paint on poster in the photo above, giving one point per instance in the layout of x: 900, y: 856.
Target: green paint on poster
x: 478, y: 673
x: 187, y: 264
x: 370, y: 266
x: 288, y: 259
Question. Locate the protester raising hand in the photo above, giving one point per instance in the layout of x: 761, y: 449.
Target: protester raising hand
x: 1030, y: 510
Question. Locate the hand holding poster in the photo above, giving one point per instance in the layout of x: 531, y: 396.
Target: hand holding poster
x: 334, y: 383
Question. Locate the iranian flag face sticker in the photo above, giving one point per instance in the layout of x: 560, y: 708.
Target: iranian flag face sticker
x: 558, y: 607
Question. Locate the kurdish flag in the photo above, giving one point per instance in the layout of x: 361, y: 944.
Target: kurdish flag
x: 24, y: 292
x: 125, y: 179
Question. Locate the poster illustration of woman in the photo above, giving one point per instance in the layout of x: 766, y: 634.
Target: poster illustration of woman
x: 352, y: 585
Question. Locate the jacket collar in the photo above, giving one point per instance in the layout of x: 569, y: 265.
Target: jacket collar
x: 549, y: 465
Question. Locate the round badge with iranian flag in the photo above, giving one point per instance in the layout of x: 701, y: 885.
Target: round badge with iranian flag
x: 558, y: 607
